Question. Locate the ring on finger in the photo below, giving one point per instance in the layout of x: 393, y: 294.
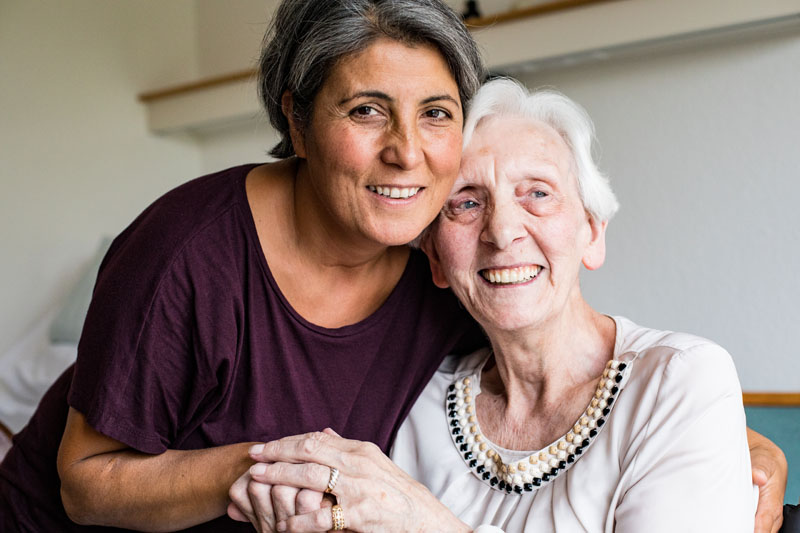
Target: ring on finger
x: 337, y: 516
x: 332, y: 480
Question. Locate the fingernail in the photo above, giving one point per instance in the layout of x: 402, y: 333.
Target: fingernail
x: 256, y: 449
x: 258, y: 469
x: 280, y: 526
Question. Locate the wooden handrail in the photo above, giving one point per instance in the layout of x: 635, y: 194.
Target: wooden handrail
x: 771, y: 399
x: 474, y: 23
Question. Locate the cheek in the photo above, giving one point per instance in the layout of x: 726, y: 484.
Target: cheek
x: 456, y: 245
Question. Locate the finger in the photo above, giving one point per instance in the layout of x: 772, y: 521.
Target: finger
x: 312, y: 447
x: 261, y: 501
x: 240, y: 500
x: 760, y: 477
x: 329, y: 431
x: 321, y: 520
x: 308, y: 501
x: 236, y: 514
x: 302, y: 476
x: 283, y: 501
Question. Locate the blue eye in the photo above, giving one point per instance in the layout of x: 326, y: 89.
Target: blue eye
x: 467, y: 204
x: 540, y: 194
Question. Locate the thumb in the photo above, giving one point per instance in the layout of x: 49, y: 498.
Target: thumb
x: 329, y: 431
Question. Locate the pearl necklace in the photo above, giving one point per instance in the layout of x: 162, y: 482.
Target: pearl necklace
x: 540, y: 467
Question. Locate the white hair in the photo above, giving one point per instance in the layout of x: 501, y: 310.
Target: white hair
x: 506, y: 97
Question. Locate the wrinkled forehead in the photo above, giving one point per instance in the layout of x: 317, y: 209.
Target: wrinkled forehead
x: 510, y: 145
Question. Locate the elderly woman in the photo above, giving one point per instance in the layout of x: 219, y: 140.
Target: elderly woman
x: 573, y: 420
x: 266, y: 300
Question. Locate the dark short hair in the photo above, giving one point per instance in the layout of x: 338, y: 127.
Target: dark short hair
x: 307, y: 37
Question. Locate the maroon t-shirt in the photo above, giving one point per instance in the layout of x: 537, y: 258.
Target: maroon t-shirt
x: 189, y: 343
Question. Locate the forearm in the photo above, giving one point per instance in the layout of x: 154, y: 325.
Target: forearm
x: 165, y: 492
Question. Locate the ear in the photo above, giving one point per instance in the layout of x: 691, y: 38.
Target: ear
x: 295, y: 132
x: 437, y: 272
x: 595, y: 254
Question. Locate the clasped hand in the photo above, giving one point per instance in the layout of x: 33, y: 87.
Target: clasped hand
x: 284, y: 490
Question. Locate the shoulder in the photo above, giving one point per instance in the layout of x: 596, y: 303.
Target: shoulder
x: 677, y: 366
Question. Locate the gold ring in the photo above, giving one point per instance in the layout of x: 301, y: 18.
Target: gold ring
x: 332, y: 480
x: 337, y: 514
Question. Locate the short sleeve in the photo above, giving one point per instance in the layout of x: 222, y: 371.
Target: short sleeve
x: 690, y: 469
x: 159, y: 341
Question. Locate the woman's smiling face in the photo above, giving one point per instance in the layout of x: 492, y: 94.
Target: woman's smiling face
x: 383, y: 144
x: 513, y: 232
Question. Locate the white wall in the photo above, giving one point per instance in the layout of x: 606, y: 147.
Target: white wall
x: 702, y: 149
x: 76, y: 159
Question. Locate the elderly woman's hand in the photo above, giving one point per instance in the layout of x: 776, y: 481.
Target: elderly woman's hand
x: 264, y: 505
x: 374, y: 494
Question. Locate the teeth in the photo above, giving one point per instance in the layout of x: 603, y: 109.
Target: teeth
x: 509, y: 276
x: 395, y: 192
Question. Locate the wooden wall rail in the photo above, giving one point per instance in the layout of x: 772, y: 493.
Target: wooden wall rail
x: 474, y: 23
x: 771, y: 399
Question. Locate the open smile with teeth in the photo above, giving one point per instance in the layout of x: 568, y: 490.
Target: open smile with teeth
x: 394, y: 192
x: 510, y: 276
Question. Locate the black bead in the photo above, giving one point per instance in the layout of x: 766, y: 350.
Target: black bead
x: 545, y: 477
x: 621, y: 367
x: 571, y: 458
x: 517, y: 489
x: 528, y: 487
x: 454, y: 423
x: 460, y: 439
x: 493, y: 481
x: 592, y: 433
x: 464, y: 447
x: 468, y: 456
x: 452, y: 414
x: 473, y: 463
x: 614, y: 390
x: 585, y: 443
x: 486, y: 475
x: 606, y: 410
x: 579, y: 450
x: 502, y: 485
x: 451, y: 405
x: 554, y: 472
x: 562, y: 465
x: 451, y: 397
x: 480, y: 469
x: 451, y: 388
x: 508, y: 488
x: 610, y: 400
x: 600, y: 422
x: 456, y: 431
x: 618, y: 378
x: 537, y: 481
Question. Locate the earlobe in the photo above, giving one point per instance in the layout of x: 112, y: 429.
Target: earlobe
x: 437, y: 272
x: 595, y: 253
x: 295, y: 133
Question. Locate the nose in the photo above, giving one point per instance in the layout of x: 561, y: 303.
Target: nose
x: 403, y: 146
x: 502, y: 226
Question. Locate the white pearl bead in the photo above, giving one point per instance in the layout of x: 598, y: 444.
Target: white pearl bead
x: 612, y: 373
x: 517, y: 479
x: 585, y: 432
x: 488, y: 463
x: 536, y: 472
x: 459, y: 403
x: 602, y: 404
x: 606, y: 394
x: 470, y: 439
x: 592, y: 424
x: 553, y: 463
x: 609, y: 383
x: 462, y: 412
x: 527, y: 478
x: 614, y: 364
x: 482, y: 456
x: 476, y: 448
x: 459, y: 385
x: 571, y: 449
x: 562, y: 454
x: 463, y: 421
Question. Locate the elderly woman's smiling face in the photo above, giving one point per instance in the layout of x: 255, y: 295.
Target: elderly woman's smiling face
x: 513, y: 232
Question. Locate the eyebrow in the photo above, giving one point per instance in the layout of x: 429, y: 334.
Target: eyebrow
x: 383, y: 96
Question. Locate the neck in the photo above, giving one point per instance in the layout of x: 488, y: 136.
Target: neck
x: 545, y: 371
